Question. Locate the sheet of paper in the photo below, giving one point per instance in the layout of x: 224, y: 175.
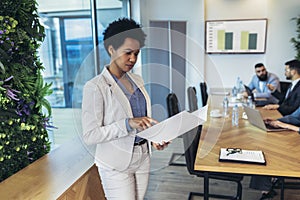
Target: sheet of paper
x: 175, y: 126
x: 255, y: 156
x: 220, y: 93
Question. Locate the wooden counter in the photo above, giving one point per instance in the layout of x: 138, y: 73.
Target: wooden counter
x: 67, y: 172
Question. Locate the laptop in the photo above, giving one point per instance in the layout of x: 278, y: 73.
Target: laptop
x: 255, y: 118
x: 258, y: 102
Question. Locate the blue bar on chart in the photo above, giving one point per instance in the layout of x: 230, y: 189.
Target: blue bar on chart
x: 225, y: 40
x: 253, y: 41
x: 248, y: 40
x: 229, y: 40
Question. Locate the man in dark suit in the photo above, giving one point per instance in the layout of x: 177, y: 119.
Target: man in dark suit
x: 289, y: 101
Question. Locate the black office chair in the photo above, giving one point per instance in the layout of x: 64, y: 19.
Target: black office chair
x: 173, y: 109
x: 192, y: 98
x: 286, y: 183
x: 172, y: 104
x: 191, y: 142
x: 204, y: 94
x: 284, y: 86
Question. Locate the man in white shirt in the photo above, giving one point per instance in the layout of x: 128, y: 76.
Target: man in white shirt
x: 259, y: 84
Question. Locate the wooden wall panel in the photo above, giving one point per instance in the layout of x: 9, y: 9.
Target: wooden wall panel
x: 87, y: 187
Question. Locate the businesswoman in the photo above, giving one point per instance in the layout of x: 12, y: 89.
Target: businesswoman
x: 115, y: 107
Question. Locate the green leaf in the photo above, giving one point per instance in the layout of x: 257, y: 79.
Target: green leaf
x: 7, y: 114
x: 47, y: 105
x: 2, y: 68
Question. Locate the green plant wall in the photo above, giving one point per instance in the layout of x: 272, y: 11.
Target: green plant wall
x: 24, y: 111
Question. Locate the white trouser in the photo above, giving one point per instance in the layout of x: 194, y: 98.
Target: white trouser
x: 130, y: 184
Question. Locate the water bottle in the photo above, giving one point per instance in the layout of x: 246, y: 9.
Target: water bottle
x: 250, y: 102
x: 238, y: 84
x: 234, y: 91
x: 225, y: 106
x: 235, y: 116
x: 241, y: 87
x: 238, y: 81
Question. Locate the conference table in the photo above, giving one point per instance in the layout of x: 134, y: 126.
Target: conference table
x: 281, y: 149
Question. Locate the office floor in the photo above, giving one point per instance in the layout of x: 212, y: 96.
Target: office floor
x: 166, y: 182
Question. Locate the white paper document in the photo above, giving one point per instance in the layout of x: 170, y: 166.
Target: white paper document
x: 175, y: 126
x: 248, y: 156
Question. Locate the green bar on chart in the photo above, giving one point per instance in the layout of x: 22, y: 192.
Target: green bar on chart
x: 229, y: 40
x: 244, y: 40
x: 221, y: 39
x: 253, y: 41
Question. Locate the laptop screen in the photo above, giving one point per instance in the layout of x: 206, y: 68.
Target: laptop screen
x: 249, y: 92
x: 256, y: 119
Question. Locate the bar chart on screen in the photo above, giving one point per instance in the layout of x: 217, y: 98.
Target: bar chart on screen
x: 236, y: 36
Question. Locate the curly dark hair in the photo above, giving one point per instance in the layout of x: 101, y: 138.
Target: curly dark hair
x: 259, y: 65
x: 118, y: 30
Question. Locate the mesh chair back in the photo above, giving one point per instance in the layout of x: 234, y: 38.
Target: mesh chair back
x: 191, y: 142
x: 204, y: 94
x: 192, y: 137
x: 172, y: 104
x: 192, y: 99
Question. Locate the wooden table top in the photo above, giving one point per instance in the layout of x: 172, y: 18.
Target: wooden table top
x: 281, y: 149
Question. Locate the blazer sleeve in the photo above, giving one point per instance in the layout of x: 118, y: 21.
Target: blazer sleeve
x: 290, y: 120
x: 252, y: 85
x: 278, y: 95
x: 293, y: 118
x: 274, y: 80
x: 93, y: 111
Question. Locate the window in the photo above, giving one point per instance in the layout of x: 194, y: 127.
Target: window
x: 71, y: 28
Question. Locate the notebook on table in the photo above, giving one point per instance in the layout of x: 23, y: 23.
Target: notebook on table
x: 255, y: 118
x: 258, y: 101
x: 242, y: 156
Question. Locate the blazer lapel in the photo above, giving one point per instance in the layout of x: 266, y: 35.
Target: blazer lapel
x: 119, y: 94
x: 294, y: 89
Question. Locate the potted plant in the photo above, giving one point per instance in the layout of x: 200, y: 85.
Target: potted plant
x: 296, y: 40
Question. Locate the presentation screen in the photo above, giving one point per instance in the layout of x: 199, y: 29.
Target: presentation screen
x: 235, y: 36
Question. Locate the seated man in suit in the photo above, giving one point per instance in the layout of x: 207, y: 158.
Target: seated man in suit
x: 290, y: 101
x: 259, y: 84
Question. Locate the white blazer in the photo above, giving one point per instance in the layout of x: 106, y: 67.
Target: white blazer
x: 104, y: 110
